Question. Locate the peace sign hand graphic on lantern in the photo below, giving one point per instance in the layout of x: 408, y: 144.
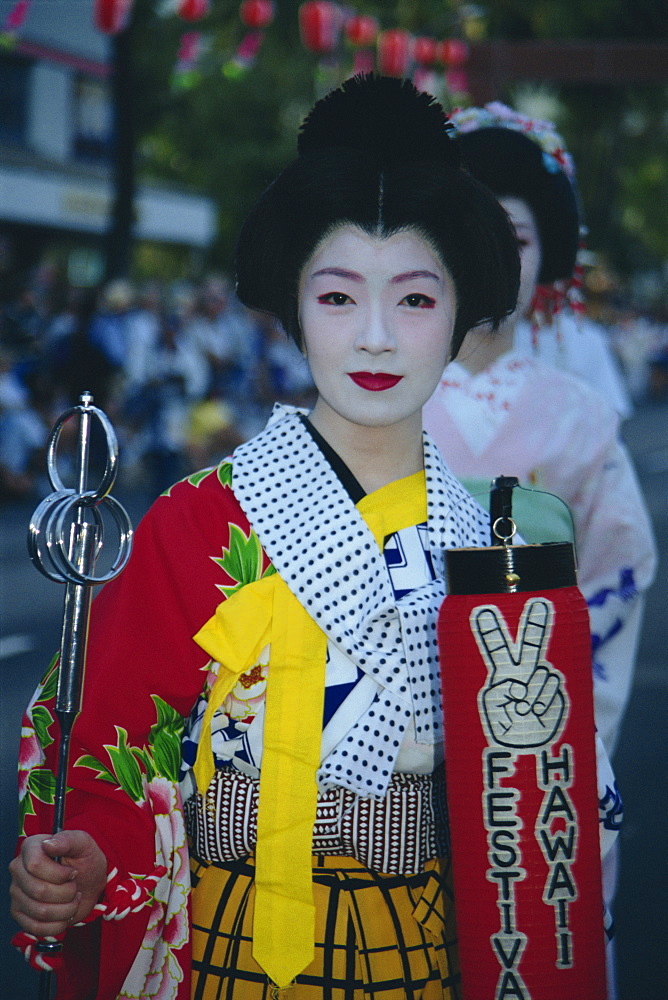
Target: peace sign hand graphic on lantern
x: 523, y: 704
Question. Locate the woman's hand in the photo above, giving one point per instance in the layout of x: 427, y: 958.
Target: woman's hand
x: 49, y: 896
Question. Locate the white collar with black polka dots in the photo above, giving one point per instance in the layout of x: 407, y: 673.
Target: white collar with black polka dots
x: 320, y: 544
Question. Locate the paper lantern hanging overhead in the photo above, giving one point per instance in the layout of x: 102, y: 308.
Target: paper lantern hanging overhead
x: 16, y: 17
x: 111, y: 16
x: 193, y: 10
x: 425, y: 50
x: 394, y: 52
x: 320, y: 25
x: 256, y: 13
x: 453, y: 52
x: 361, y: 30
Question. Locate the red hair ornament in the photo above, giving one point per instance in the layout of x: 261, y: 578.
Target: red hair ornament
x: 520, y: 755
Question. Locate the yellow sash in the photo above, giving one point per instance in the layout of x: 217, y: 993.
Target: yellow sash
x: 262, y: 612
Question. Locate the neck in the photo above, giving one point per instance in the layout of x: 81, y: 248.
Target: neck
x: 376, y: 456
x: 482, y: 347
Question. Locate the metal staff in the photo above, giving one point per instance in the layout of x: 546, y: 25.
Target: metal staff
x: 65, y: 538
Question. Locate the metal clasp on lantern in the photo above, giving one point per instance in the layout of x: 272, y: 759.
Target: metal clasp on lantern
x: 512, y: 577
x: 503, y: 526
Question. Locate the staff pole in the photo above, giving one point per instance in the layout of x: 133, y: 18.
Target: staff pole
x: 65, y: 538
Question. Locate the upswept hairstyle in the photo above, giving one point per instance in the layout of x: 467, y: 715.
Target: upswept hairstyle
x: 378, y: 154
x: 518, y: 157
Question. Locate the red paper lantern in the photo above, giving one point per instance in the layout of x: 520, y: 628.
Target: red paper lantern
x: 425, y: 50
x: 394, y: 52
x: 453, y: 52
x: 257, y: 13
x: 193, y: 10
x: 361, y: 30
x: 319, y: 25
x: 520, y: 764
x: 111, y: 16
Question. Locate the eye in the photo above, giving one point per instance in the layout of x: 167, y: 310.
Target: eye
x: 416, y: 300
x: 334, y: 299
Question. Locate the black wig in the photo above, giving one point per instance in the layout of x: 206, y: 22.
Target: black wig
x: 379, y: 155
x: 513, y: 165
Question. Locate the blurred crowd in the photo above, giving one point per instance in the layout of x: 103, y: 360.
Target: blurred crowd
x: 183, y: 371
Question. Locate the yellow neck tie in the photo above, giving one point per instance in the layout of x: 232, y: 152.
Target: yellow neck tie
x: 267, y: 611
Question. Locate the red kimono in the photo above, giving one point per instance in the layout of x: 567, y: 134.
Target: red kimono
x: 125, y: 755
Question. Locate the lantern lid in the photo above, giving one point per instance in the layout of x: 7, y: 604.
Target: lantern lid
x: 508, y: 569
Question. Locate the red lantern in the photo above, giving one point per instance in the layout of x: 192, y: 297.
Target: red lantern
x: 111, y: 16
x: 193, y: 10
x: 319, y: 25
x: 394, y: 52
x: 257, y: 13
x: 425, y: 50
x: 521, y: 774
x: 453, y: 52
x: 361, y: 30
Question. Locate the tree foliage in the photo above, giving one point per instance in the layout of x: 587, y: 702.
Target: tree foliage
x: 228, y: 135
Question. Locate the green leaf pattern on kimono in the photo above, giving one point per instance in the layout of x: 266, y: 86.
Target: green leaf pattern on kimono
x: 35, y: 781
x: 223, y: 471
x: 133, y: 768
x: 242, y: 561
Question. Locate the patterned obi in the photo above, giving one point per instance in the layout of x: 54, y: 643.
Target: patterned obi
x: 396, y: 835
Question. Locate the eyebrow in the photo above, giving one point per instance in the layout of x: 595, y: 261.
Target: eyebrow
x: 339, y: 272
x: 412, y: 275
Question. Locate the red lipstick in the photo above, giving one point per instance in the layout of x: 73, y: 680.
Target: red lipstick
x: 375, y: 381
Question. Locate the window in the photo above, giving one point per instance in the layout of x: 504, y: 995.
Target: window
x: 92, y: 119
x: 14, y: 74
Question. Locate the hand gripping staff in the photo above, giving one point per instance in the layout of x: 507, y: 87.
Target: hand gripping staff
x: 520, y: 759
x: 65, y: 538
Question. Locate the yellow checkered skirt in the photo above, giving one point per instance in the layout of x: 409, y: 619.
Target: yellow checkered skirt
x: 377, y: 936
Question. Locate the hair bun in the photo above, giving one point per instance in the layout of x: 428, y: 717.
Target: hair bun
x: 383, y: 116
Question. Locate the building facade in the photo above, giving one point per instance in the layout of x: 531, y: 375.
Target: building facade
x: 56, y: 141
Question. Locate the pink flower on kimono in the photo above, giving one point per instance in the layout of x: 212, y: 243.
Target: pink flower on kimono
x: 245, y: 698
x: 156, y: 971
x: 31, y: 755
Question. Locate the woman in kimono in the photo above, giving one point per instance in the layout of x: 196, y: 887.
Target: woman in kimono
x: 285, y: 604
x: 498, y: 411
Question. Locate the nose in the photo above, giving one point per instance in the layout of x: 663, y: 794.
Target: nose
x: 375, y: 335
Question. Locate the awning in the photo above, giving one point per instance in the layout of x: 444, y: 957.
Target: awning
x: 65, y: 201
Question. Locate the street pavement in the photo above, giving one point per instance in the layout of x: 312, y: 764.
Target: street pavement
x: 30, y: 614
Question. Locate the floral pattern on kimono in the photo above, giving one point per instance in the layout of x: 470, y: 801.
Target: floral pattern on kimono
x: 143, y: 675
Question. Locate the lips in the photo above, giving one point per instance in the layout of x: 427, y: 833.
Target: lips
x: 375, y: 381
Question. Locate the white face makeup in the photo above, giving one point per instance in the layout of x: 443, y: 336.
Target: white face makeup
x: 377, y: 317
x: 524, y: 222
